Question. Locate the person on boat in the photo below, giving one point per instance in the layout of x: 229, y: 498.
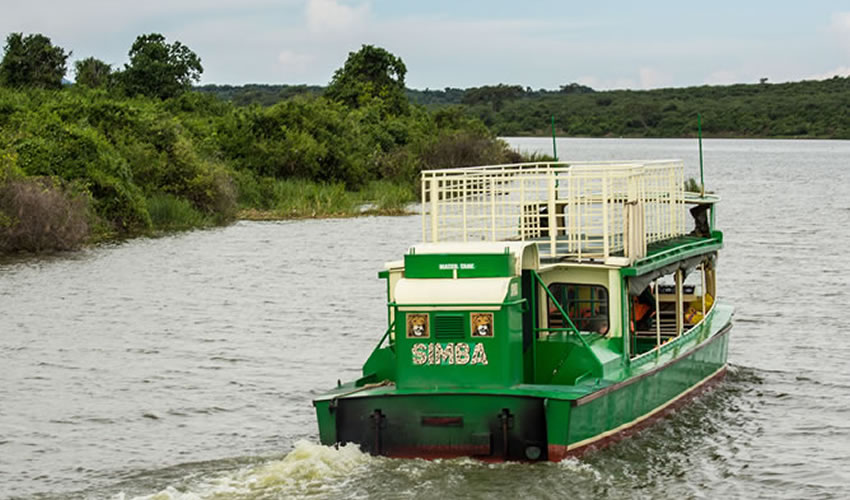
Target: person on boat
x: 694, y: 313
x: 599, y: 325
x: 644, y: 310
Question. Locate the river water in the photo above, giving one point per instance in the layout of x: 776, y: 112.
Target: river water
x: 183, y: 367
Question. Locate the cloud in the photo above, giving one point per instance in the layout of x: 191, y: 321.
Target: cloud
x: 304, y: 41
x: 840, y: 71
x: 82, y: 17
x: 839, y: 28
x: 597, y: 83
x: 440, y: 51
x: 295, y: 61
x: 331, y: 16
x: 722, y: 77
x: 840, y: 25
x: 651, y: 78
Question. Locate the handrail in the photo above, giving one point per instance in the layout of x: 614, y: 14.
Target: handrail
x: 547, y: 165
x: 385, y: 335
x: 574, y: 210
x: 566, y: 316
x: 679, y: 252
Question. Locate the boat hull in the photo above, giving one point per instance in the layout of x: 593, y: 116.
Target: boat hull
x: 617, y: 410
x: 521, y: 423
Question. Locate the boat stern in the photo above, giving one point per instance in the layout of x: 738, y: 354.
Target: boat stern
x: 437, y: 425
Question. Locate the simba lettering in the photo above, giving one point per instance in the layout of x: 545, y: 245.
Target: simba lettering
x: 448, y: 354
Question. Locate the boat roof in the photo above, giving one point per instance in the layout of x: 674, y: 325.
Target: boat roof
x: 525, y: 253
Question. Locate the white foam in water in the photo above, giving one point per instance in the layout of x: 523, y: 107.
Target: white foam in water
x: 576, y: 466
x: 308, y: 470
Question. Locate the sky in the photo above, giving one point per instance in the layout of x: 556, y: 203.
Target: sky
x: 466, y: 43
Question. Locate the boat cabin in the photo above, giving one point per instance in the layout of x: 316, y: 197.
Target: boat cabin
x: 546, y: 273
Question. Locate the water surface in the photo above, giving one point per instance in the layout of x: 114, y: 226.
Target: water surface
x: 183, y: 367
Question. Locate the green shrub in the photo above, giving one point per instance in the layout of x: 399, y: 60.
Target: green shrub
x: 169, y: 212
x: 463, y: 149
x: 192, y: 160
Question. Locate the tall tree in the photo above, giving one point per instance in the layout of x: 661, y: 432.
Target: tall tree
x: 158, y: 69
x: 370, y: 72
x: 92, y: 72
x: 495, y: 95
x: 32, y: 61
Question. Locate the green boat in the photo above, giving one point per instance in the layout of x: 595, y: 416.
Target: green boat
x: 551, y: 308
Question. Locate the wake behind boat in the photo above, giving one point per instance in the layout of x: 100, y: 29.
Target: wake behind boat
x: 551, y: 307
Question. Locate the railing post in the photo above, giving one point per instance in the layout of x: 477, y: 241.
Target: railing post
x: 657, y: 321
x: 680, y: 305
x: 605, y: 241
x: 573, y: 214
x: 424, y: 209
x: 492, y: 208
x: 522, y: 215
x: 702, y: 287
x: 435, y: 195
x: 464, y: 193
x: 553, y: 220
x: 534, y: 309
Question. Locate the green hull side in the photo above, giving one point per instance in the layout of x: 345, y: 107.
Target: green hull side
x: 623, y: 406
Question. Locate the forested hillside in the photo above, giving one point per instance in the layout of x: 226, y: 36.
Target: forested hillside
x: 809, y: 109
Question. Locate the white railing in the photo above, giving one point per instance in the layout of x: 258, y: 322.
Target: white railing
x: 597, y: 210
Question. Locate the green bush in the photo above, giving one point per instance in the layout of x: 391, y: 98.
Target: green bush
x: 463, y: 149
x: 169, y: 213
x: 146, y: 164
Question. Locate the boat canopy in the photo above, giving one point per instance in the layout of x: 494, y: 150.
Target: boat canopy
x: 638, y: 283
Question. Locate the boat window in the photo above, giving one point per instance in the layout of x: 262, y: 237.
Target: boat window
x: 586, y: 305
x: 669, y: 306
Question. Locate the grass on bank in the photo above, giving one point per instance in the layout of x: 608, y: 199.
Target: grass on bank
x: 170, y: 213
x: 299, y: 198
x: 39, y: 214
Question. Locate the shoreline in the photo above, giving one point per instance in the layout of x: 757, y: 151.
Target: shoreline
x: 249, y: 215
x: 256, y: 215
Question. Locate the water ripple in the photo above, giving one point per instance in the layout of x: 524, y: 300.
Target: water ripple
x: 184, y: 366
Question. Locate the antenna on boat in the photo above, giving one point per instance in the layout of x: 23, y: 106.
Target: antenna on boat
x: 554, y: 146
x: 701, y: 178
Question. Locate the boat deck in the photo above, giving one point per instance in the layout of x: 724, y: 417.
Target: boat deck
x: 574, y: 210
x: 716, y: 325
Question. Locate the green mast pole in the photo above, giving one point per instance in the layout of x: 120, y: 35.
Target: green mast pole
x: 554, y: 146
x: 701, y: 178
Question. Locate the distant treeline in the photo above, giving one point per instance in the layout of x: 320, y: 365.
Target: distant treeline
x: 134, y: 151
x: 808, y: 109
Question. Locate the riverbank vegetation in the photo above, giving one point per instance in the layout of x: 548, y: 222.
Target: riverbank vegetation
x: 807, y: 109
x: 135, y: 151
